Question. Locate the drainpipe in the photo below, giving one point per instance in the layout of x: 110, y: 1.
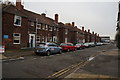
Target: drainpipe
x: 36, y: 32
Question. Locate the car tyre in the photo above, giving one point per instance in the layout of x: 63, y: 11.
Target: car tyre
x: 60, y: 51
x: 48, y: 53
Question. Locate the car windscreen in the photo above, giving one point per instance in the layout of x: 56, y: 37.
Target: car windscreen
x: 70, y: 44
x: 41, y: 45
x: 62, y: 44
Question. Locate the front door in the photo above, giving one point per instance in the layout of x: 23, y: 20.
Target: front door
x: 31, y: 40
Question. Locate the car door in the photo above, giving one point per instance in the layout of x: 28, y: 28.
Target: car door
x: 52, y: 47
x: 56, y: 48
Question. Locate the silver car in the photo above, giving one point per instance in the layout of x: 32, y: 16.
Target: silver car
x: 47, y: 48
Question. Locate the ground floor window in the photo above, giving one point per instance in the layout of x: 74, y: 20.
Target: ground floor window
x: 38, y: 39
x: 16, y: 38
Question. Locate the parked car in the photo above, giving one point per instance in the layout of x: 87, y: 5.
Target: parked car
x: 47, y: 48
x: 92, y: 44
x: 99, y: 44
x: 67, y: 47
x: 80, y: 46
x: 2, y: 49
x: 87, y: 45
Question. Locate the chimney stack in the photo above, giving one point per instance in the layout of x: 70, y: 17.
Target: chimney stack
x: 43, y: 14
x: 93, y: 32
x: 56, y: 18
x: 73, y: 24
x: 82, y: 28
x: 19, y: 6
x: 88, y: 30
x: 98, y: 35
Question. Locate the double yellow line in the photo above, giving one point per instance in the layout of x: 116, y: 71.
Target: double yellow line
x: 63, y: 71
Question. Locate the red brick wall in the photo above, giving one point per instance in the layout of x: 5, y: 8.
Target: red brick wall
x: 8, y: 28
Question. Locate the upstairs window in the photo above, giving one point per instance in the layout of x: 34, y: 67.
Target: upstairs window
x: 17, y: 20
x: 16, y: 38
x: 39, y: 26
x: 66, y: 31
x: 46, y: 27
x: 55, y: 28
x: 32, y: 23
x: 50, y: 28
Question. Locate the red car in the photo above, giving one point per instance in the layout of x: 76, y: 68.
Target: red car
x: 67, y: 47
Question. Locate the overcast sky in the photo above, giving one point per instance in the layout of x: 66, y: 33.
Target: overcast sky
x: 99, y: 17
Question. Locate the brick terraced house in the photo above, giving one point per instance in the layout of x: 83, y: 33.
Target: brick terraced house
x: 22, y: 28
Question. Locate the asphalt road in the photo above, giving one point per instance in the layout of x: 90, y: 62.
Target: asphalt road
x: 43, y: 66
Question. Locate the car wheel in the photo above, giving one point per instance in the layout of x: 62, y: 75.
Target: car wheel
x: 37, y: 53
x: 48, y: 53
x: 68, y: 50
x: 60, y: 51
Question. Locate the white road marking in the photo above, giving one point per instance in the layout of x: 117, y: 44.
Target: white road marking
x: 90, y: 59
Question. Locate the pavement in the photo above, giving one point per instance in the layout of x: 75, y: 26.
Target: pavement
x: 9, y: 54
x: 107, y: 67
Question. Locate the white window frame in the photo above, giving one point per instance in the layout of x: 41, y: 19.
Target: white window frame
x: 66, y: 31
x: 43, y: 27
x: 17, y: 37
x: 46, y: 26
x: 38, y: 38
x: 15, y: 19
x: 50, y: 28
x: 38, y: 25
x: 55, y: 28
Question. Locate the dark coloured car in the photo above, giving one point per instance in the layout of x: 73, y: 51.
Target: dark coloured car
x: 80, y: 46
x: 68, y: 47
x: 47, y: 48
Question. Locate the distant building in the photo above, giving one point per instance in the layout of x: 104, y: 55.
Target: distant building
x: 105, y: 38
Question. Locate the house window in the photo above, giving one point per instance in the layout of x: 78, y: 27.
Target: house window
x: 57, y: 29
x: 50, y: 28
x: 32, y: 23
x: 66, y: 31
x: 46, y: 27
x: 39, y: 26
x: 16, y: 38
x: 38, y: 39
x: 43, y: 27
x: 17, y: 20
x: 43, y: 38
x: 54, y: 28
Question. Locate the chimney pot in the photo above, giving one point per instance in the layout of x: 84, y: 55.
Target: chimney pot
x: 73, y: 24
x: 56, y: 18
x: 19, y: 5
x: 43, y: 14
x: 89, y: 30
x: 82, y: 28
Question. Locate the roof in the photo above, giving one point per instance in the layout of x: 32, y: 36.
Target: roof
x: 29, y: 14
x: 13, y: 10
x: 41, y: 19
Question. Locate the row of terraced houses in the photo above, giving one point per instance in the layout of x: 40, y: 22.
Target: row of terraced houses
x: 22, y: 28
